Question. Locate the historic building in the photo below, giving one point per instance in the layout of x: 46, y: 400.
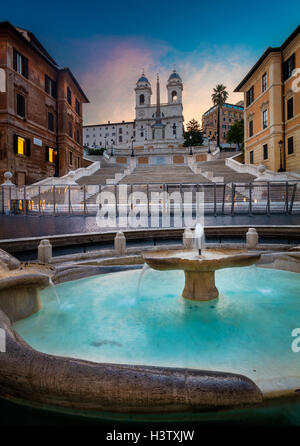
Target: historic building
x: 229, y: 114
x: 155, y: 125
x: 40, y: 110
x: 272, y: 107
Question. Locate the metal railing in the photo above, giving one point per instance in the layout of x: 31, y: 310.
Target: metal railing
x: 270, y: 197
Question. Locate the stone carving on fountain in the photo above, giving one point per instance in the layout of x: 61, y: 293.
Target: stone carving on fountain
x: 20, y: 284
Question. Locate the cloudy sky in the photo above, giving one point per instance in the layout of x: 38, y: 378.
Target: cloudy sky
x: 108, y: 44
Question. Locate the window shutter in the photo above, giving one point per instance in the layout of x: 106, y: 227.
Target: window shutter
x: 54, y: 90
x: 47, y: 153
x: 15, y: 59
x: 15, y: 143
x: 28, y: 147
x: 25, y: 66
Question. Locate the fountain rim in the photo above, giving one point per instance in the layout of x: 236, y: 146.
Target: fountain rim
x: 166, y: 259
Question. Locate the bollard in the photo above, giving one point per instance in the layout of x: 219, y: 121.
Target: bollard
x: 251, y: 238
x: 188, y: 239
x: 44, y: 251
x: 120, y: 243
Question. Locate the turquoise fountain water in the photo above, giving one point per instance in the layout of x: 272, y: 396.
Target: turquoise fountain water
x: 246, y: 330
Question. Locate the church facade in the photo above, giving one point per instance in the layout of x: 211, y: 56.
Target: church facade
x: 158, y: 125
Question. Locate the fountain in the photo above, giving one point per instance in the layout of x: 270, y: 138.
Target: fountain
x: 199, y: 265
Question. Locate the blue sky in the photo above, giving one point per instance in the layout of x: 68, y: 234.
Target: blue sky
x: 107, y: 44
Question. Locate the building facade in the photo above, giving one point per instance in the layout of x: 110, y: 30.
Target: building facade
x: 40, y: 110
x: 155, y: 125
x: 229, y: 114
x: 272, y: 107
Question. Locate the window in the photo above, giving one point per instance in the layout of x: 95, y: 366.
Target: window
x: 50, y: 122
x: 264, y: 82
x: 290, y: 108
x: 288, y: 67
x: 250, y: 128
x: 120, y: 138
x: 78, y: 136
x: 251, y: 157
x: 20, y: 105
x: 69, y: 96
x: 290, y: 145
x: 120, y: 131
x: 70, y: 129
x: 21, y: 145
x: 142, y: 99
x: 77, y: 106
x: 265, y: 119
x: 250, y: 96
x: 71, y: 158
x: 174, y: 96
x: 51, y: 155
x: 142, y: 134
x: 50, y: 86
x: 20, y: 63
x: 265, y: 149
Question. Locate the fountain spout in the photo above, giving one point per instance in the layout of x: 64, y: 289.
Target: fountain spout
x: 199, y: 235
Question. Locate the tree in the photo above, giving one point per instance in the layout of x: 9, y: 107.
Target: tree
x: 236, y: 133
x: 193, y: 130
x: 219, y: 97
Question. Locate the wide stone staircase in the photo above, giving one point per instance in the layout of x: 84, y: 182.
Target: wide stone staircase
x: 167, y: 173
x: 219, y: 169
x: 106, y: 172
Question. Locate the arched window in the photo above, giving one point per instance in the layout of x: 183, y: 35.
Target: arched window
x: 174, y: 96
x: 142, y: 99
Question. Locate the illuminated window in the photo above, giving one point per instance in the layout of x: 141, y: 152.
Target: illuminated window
x: 51, y: 155
x: 21, y: 146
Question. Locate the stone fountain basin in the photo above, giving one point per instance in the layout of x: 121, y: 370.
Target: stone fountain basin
x: 209, y: 260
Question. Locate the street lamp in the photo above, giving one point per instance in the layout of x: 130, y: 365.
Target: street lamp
x: 132, y: 151
x: 281, y: 169
x: 105, y: 143
x: 191, y: 151
x: 208, y: 145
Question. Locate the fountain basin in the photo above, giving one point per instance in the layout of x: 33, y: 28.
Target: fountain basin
x: 199, y: 269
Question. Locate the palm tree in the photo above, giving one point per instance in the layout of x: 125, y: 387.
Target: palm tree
x: 219, y: 97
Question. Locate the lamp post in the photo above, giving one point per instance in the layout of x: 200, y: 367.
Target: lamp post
x: 281, y: 169
x: 191, y: 151
x: 208, y: 145
x: 132, y: 151
x: 105, y: 143
x: 112, y: 148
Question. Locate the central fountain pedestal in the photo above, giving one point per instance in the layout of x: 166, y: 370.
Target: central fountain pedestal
x: 200, y: 269
x: 200, y: 285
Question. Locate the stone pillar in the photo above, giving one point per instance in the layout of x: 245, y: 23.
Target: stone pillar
x: 188, y: 239
x: 120, y: 243
x: 8, y: 192
x: 45, y: 251
x: 251, y: 238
